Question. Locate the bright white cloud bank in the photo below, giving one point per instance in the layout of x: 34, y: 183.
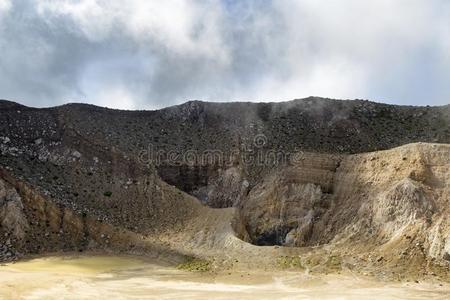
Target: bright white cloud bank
x: 5, y: 5
x: 150, y: 54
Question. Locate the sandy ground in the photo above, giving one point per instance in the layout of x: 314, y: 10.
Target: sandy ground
x: 124, y: 277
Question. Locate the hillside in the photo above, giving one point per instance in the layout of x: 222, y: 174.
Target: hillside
x: 339, y: 184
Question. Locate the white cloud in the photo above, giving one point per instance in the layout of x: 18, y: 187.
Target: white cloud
x: 351, y: 42
x: 157, y: 53
x: 181, y: 26
x: 5, y: 6
x: 335, y: 79
x: 89, y: 17
x: 115, y: 97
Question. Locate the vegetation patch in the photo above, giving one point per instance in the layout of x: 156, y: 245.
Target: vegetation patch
x: 195, y: 265
x: 334, y: 263
x: 290, y: 262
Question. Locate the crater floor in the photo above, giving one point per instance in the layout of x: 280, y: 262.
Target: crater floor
x: 126, y: 277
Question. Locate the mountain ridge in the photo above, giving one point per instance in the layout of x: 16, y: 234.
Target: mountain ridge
x: 4, y: 102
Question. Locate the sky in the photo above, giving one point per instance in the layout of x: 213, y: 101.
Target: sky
x: 149, y: 54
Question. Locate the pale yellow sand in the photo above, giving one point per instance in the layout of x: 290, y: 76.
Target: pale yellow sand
x: 112, y: 277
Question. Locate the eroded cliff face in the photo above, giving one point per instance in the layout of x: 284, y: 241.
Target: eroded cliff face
x: 282, y: 209
x: 32, y: 223
x: 13, y: 221
x: 396, y: 197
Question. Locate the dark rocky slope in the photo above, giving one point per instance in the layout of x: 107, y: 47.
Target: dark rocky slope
x: 229, y: 132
